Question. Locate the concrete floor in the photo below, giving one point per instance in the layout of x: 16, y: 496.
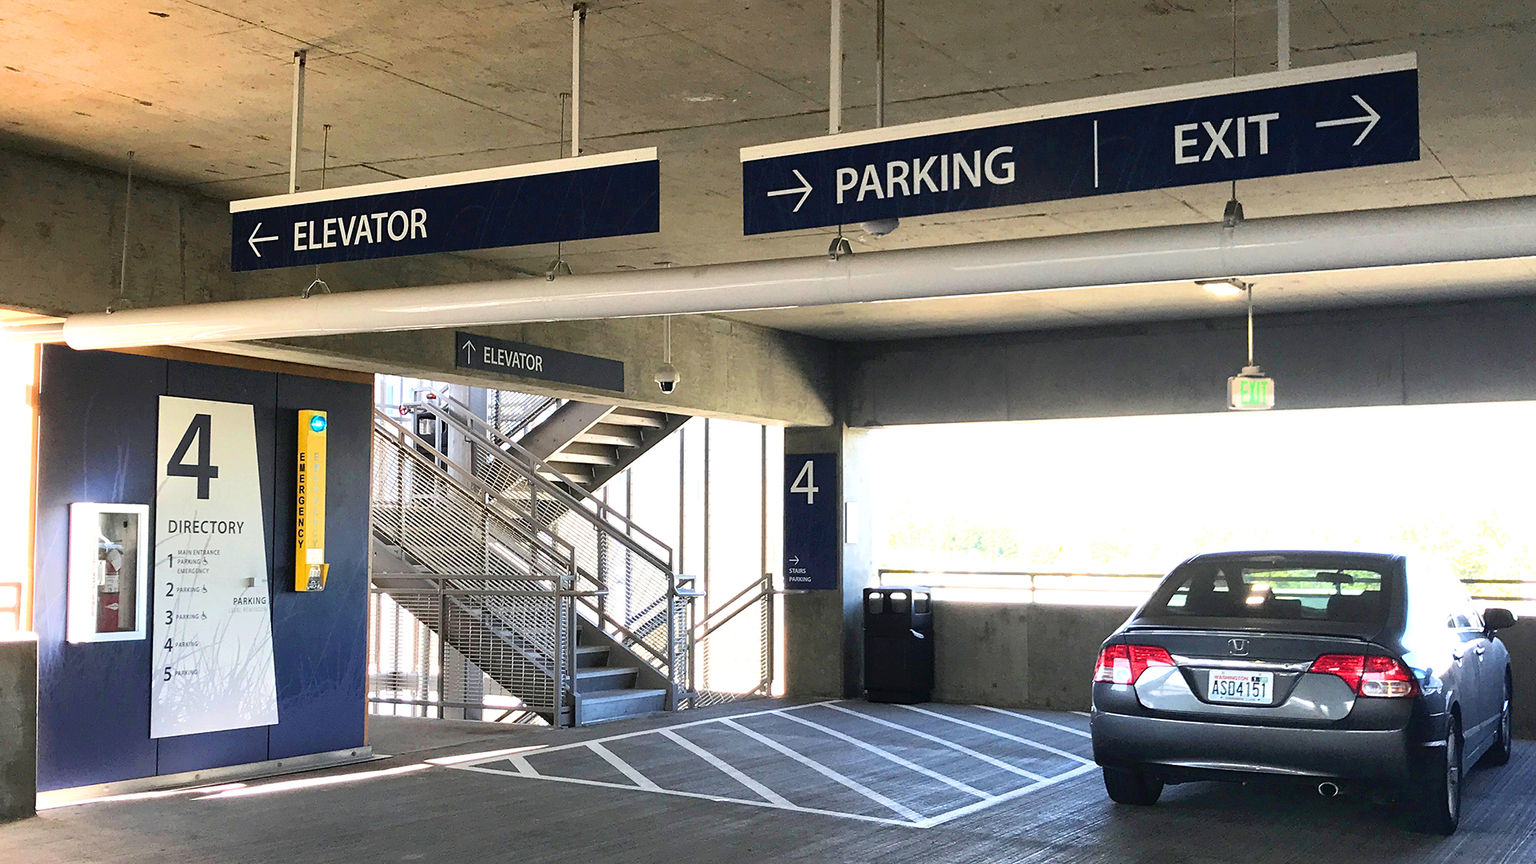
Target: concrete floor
x: 989, y: 786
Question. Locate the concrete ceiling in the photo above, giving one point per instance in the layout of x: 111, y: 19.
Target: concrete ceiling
x: 201, y: 90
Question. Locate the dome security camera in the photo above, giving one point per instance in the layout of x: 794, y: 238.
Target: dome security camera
x: 667, y: 378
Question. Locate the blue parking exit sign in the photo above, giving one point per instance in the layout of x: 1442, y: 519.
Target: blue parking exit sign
x: 1343, y: 115
x: 606, y: 195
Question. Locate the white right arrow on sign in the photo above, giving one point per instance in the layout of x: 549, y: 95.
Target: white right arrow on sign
x: 1369, y: 119
x: 804, y: 189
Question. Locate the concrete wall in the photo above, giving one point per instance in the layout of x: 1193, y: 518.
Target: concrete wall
x: 1020, y: 655
x: 1024, y: 655
x: 18, y: 729
x: 1394, y: 355
x: 61, y: 237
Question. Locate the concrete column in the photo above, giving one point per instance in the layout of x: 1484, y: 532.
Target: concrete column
x: 823, y: 630
x: 18, y: 728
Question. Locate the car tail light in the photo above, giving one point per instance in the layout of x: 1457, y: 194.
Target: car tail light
x: 1373, y: 675
x: 1123, y: 664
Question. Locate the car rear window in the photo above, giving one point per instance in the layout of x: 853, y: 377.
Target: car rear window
x: 1282, y: 591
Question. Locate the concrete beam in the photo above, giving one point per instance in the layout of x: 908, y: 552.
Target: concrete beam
x: 61, y: 233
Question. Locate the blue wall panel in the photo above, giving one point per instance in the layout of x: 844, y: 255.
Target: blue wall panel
x: 93, y: 699
x: 97, y: 442
x: 322, y: 652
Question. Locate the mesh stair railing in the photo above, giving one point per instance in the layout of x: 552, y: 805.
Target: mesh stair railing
x: 492, y: 587
x: 624, y: 574
x: 734, y: 618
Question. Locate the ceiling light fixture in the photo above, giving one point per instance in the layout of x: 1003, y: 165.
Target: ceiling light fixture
x: 1230, y: 286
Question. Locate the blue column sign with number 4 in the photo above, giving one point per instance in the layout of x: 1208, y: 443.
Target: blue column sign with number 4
x: 810, y: 522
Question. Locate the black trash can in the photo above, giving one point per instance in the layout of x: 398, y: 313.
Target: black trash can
x: 898, y: 644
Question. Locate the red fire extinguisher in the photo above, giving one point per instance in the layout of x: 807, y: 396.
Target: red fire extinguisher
x: 109, y: 588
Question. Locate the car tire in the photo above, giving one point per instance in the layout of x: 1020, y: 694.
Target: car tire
x: 1504, y: 744
x: 1439, y: 785
x: 1132, y: 786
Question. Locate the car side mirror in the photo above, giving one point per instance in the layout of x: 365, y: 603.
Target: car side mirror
x: 1497, y: 618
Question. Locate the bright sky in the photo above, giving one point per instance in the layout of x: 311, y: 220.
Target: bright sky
x: 1140, y: 494
x: 15, y: 477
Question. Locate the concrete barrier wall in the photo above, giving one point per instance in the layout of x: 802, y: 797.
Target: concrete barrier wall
x: 1021, y: 655
x: 18, y: 729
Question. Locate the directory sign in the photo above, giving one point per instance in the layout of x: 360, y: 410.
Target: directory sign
x: 212, y: 663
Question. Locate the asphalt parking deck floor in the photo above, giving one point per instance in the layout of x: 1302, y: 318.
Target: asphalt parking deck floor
x: 844, y: 781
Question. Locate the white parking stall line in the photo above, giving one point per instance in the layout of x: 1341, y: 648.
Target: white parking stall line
x: 624, y: 768
x: 958, y: 748
x: 888, y: 756
x: 1000, y: 734
x: 521, y: 763
x: 826, y: 772
x: 769, y: 795
x: 575, y: 745
x: 1007, y: 796
x: 1078, y: 732
x: 699, y: 796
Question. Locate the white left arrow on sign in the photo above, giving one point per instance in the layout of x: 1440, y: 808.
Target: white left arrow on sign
x: 1369, y: 119
x: 804, y: 189
x: 253, y: 239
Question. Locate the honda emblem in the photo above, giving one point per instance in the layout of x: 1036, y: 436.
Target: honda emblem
x: 1238, y: 646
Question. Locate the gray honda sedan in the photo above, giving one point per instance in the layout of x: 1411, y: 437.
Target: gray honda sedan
x: 1341, y: 668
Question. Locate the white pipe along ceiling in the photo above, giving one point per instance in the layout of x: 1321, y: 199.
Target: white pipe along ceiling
x: 1470, y: 231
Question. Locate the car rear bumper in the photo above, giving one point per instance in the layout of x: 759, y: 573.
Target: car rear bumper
x: 1196, y: 747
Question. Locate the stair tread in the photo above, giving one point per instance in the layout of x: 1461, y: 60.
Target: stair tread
x: 620, y: 694
x: 601, y: 671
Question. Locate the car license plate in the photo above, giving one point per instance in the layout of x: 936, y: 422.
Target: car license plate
x: 1244, y: 688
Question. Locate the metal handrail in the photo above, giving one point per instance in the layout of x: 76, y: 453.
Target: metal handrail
x: 536, y: 414
x: 470, y: 486
x: 761, y: 589
x: 465, y: 421
x: 1032, y: 586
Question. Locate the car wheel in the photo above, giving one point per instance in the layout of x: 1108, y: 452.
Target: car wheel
x: 1439, y: 787
x: 1132, y: 786
x: 1503, y: 746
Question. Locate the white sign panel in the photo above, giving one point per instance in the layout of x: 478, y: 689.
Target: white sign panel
x: 213, y: 666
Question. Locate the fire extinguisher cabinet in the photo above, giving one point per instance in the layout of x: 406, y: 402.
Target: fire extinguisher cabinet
x: 898, y: 644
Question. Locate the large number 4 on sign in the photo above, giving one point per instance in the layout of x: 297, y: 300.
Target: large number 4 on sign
x: 201, y: 431
x: 805, y: 482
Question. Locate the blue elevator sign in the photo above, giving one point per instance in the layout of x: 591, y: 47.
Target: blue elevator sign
x: 606, y: 195
x: 812, y: 554
x: 1343, y: 115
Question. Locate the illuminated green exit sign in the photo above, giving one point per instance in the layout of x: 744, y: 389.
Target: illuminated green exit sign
x: 1250, y: 393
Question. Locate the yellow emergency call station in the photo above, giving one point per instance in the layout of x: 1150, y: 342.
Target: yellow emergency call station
x: 310, y: 568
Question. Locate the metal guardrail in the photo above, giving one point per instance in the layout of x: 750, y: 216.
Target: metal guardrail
x: 631, y: 593
x: 757, y: 597
x: 1128, y: 589
x: 496, y: 590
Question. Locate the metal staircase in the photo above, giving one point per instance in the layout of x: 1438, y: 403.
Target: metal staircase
x: 587, y: 445
x: 562, y: 602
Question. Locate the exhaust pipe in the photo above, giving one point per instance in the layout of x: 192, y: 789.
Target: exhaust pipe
x: 1328, y: 789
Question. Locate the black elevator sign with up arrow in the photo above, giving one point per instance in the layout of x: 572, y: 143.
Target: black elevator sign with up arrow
x: 608, y: 195
x: 485, y: 354
x: 1344, y: 115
